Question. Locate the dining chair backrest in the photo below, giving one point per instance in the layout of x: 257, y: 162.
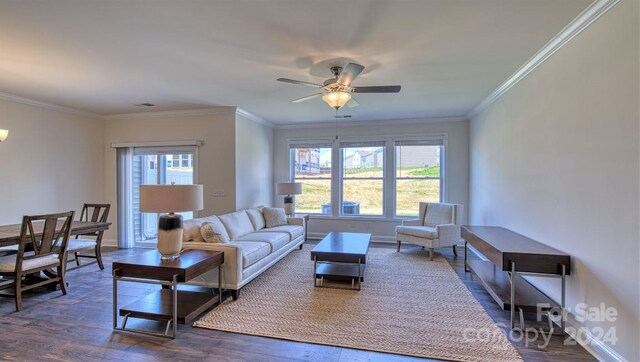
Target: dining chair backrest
x: 94, y: 213
x: 42, y: 233
x: 99, y: 212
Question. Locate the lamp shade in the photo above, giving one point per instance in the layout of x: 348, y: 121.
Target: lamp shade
x: 170, y: 198
x: 289, y: 188
x: 4, y: 133
x: 336, y: 99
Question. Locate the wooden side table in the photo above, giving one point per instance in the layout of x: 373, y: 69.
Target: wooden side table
x: 171, y: 305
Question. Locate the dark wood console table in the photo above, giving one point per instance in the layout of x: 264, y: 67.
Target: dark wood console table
x: 511, y: 256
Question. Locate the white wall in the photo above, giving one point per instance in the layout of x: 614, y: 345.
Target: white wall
x: 254, y: 163
x: 51, y: 161
x: 557, y: 159
x: 216, y: 157
x: 456, y: 167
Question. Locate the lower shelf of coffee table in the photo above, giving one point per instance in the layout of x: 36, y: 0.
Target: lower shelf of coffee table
x: 340, y: 271
x: 158, y: 305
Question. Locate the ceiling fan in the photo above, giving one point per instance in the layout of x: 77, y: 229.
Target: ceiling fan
x: 337, y: 92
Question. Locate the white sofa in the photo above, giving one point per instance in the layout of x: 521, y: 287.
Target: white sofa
x: 252, y: 250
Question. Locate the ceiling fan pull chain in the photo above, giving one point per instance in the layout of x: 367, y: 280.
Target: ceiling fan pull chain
x: 336, y: 123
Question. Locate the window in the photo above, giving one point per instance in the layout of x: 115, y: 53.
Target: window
x: 311, y: 166
x: 370, y: 178
x: 156, y: 165
x: 418, y: 174
x: 362, y: 178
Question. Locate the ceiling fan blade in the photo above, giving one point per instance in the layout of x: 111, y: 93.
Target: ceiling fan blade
x: 306, y: 98
x: 352, y: 103
x: 349, y: 73
x: 378, y: 89
x: 299, y: 82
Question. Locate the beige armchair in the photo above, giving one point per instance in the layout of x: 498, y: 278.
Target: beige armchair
x: 438, y: 225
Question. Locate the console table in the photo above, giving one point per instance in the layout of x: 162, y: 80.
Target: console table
x: 511, y: 256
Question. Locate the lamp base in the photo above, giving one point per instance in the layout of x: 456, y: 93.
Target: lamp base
x: 170, y: 236
x: 289, y: 206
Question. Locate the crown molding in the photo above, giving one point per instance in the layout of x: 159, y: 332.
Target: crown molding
x: 369, y: 123
x: 577, y: 25
x: 45, y: 105
x: 253, y: 117
x: 178, y: 113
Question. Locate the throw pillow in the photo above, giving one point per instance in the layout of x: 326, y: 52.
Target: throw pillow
x: 212, y: 234
x: 257, y: 220
x: 274, y: 216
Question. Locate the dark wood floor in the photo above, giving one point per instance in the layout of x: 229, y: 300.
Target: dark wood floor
x: 77, y: 327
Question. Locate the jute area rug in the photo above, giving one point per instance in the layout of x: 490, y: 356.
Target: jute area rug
x: 408, y: 305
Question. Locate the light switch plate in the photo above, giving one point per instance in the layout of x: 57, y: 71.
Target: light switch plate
x: 218, y: 193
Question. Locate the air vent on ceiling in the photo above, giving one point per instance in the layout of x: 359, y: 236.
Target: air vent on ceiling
x: 145, y: 105
x: 345, y: 116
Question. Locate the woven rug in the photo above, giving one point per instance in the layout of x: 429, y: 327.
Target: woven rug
x: 408, y: 305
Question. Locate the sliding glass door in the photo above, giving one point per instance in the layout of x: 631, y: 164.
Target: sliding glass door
x: 157, y: 165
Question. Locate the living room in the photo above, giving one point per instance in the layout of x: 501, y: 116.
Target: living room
x: 518, y: 115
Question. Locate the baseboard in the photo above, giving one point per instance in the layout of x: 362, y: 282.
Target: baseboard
x: 374, y: 238
x: 110, y: 242
x: 598, y: 349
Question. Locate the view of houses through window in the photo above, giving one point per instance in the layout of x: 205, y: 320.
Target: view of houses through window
x: 416, y: 175
x: 312, y: 168
x: 362, y: 179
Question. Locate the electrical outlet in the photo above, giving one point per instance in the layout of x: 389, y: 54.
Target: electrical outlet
x: 217, y: 193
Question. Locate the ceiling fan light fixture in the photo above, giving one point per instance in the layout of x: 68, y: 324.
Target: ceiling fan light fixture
x: 336, y: 99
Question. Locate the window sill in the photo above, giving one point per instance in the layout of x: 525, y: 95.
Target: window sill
x: 360, y: 218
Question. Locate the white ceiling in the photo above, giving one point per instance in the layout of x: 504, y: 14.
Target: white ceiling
x: 106, y: 56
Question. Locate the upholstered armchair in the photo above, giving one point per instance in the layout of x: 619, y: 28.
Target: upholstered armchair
x: 438, y: 225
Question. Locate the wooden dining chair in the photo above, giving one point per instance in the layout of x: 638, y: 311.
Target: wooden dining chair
x: 92, y: 241
x: 45, y: 254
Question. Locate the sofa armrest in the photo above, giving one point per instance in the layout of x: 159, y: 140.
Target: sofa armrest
x: 295, y: 221
x: 414, y: 222
x: 448, y: 234
x: 298, y: 221
x: 232, y: 267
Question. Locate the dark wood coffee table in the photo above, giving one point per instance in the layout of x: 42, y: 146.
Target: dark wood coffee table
x: 167, y: 304
x: 341, y: 256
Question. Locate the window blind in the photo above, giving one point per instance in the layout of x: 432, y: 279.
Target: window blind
x: 311, y: 144
x: 362, y: 144
x: 422, y: 142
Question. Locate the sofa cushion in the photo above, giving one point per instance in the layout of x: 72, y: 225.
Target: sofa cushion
x: 237, y: 224
x: 191, y: 228
x: 252, y: 251
x: 214, y: 233
x: 256, y: 218
x: 294, y: 231
x: 427, y: 232
x: 274, y: 216
x: 276, y: 240
x: 438, y: 214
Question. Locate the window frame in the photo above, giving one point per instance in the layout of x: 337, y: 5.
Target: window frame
x: 396, y: 178
x: 319, y: 143
x: 383, y: 178
x: 389, y: 172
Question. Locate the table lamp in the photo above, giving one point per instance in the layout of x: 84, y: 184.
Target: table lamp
x: 170, y: 199
x: 289, y: 189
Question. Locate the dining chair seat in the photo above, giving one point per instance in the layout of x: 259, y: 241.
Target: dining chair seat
x: 75, y: 247
x: 79, y: 244
x: 8, y: 263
